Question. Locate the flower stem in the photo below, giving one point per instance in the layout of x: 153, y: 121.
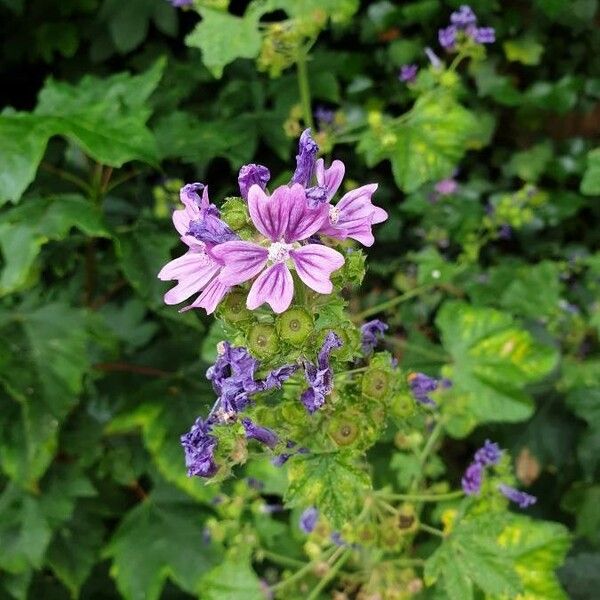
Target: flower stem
x: 425, y: 497
x: 285, y: 561
x: 382, y: 306
x: 329, y: 576
x: 304, y: 87
x: 432, y: 530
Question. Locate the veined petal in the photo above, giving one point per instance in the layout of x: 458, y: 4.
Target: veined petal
x: 186, y: 265
x: 210, y: 297
x: 314, y: 265
x: 242, y: 260
x: 356, y: 205
x: 379, y: 215
x: 275, y: 286
x: 269, y: 213
x: 190, y: 284
x: 181, y: 220
x: 303, y: 221
x: 330, y: 178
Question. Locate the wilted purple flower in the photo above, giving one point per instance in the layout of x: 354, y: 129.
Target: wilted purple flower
x: 281, y: 459
x: 482, y: 35
x: 283, y: 218
x: 354, y: 215
x: 250, y: 175
x: 308, y: 519
x: 306, y: 159
x: 319, y: 376
x: 422, y: 385
x: 199, y: 447
x: 463, y: 17
x: 324, y: 115
x: 200, y: 228
x: 371, y: 332
x: 446, y: 187
x: 408, y: 73
x: 447, y: 37
x: 472, y: 479
x: 261, y: 434
x: 489, y: 454
x: 522, y: 499
x: 436, y: 63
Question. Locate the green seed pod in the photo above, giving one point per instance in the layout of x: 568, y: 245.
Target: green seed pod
x: 376, y: 384
x: 407, y: 519
x: 235, y: 213
x: 344, y: 430
x: 390, y: 537
x: 402, y: 406
x: 263, y: 341
x: 294, y: 326
x: 233, y: 308
x: 366, y: 534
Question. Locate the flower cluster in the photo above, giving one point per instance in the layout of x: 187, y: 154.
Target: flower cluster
x: 289, y: 226
x: 463, y: 25
x: 487, y: 456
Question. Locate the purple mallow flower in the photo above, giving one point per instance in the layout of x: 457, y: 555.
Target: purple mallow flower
x: 319, y: 376
x: 371, y: 332
x: 305, y: 159
x: 489, y: 454
x: 472, y: 479
x: 250, y: 175
x: 285, y: 219
x: 422, y: 385
x: 199, y: 447
x: 408, y: 73
x: 261, y: 434
x: 200, y: 228
x: 522, y: 499
x: 354, y: 215
x: 482, y: 35
x: 308, y: 519
x: 447, y: 37
x: 463, y: 17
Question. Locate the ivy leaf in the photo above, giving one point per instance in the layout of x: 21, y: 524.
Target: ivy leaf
x: 26, y: 228
x: 332, y: 482
x: 425, y: 144
x: 492, y: 361
x: 590, y: 184
x: 223, y: 38
x: 43, y: 368
x: 159, y: 539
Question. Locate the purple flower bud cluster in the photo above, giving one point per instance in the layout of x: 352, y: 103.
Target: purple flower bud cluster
x: 464, y: 22
x: 250, y: 175
x: 306, y: 159
x: 408, y: 73
x: 308, y: 520
x: 489, y: 455
x: 371, y: 333
x: 422, y: 385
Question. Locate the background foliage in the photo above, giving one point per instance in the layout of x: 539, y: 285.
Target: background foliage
x: 110, y: 106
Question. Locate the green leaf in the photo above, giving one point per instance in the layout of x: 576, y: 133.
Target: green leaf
x: 590, y: 184
x: 26, y: 228
x: 525, y: 51
x: 492, y: 361
x: 537, y: 549
x: 158, y: 540
x: 233, y: 579
x: 581, y: 575
x: 530, y: 164
x: 332, y: 482
x: 43, y: 368
x: 105, y: 117
x: 423, y: 145
x: 582, y: 501
x: 223, y: 38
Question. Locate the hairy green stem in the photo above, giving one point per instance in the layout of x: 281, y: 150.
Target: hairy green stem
x: 304, y: 87
x: 424, y: 497
x: 432, y: 530
x: 330, y: 575
x: 285, y: 561
x: 382, y: 306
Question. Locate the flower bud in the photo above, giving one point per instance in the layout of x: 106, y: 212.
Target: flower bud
x: 376, y: 384
x: 233, y: 308
x: 263, y: 341
x: 294, y: 326
x: 402, y: 406
x: 235, y: 213
x: 344, y: 430
x: 407, y: 518
x: 321, y: 569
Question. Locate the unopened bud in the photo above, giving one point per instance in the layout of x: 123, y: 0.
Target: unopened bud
x: 407, y: 518
x: 402, y: 406
x: 235, y: 213
x: 321, y: 569
x: 376, y: 384
x: 344, y: 430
